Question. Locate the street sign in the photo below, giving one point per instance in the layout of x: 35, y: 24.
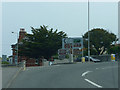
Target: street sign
x: 62, y: 51
x: 61, y: 56
x: 74, y: 43
x: 77, y: 51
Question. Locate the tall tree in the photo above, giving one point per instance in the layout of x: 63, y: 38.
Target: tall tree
x: 99, y: 38
x: 42, y: 42
x: 114, y: 49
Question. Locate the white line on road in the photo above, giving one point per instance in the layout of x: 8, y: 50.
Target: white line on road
x: 86, y: 73
x: 110, y: 67
x: 93, y: 83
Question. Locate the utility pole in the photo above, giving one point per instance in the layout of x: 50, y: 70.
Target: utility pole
x: 88, y: 35
x: 17, y: 44
x: 82, y: 46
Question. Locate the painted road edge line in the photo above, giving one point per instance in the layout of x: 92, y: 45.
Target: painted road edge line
x: 93, y: 83
x: 85, y: 73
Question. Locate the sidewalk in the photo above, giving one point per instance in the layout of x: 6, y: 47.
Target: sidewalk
x: 8, y: 73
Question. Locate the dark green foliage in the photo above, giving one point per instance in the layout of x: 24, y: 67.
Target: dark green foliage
x: 5, y: 62
x: 99, y: 38
x: 114, y: 50
x: 42, y: 42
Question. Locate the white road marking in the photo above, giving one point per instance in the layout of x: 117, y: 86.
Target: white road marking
x: 93, y: 83
x: 110, y: 67
x: 86, y: 73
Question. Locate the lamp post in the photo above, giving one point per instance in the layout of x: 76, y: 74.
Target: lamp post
x: 17, y: 44
x: 88, y: 35
x: 82, y: 46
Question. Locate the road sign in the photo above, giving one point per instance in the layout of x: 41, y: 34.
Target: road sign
x: 77, y: 51
x: 74, y: 43
x: 62, y: 51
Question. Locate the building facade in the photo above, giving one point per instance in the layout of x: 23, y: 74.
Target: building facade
x: 16, y: 59
x: 10, y: 58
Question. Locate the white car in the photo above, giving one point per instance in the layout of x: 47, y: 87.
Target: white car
x: 92, y: 59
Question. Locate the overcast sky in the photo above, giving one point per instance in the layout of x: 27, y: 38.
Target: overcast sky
x: 70, y: 17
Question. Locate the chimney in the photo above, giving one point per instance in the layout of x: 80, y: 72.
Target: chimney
x: 22, y: 33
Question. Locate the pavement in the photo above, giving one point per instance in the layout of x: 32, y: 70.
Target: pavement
x: 9, y: 74
x: 79, y: 75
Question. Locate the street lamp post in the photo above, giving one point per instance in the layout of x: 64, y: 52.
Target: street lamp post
x: 17, y: 43
x: 82, y: 46
x: 88, y: 35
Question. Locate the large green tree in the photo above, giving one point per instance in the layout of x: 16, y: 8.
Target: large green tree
x: 42, y: 42
x: 114, y: 49
x: 99, y: 38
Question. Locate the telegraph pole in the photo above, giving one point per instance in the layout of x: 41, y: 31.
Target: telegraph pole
x: 88, y: 35
x: 17, y: 45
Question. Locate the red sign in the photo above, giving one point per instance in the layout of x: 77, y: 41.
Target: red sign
x: 68, y: 45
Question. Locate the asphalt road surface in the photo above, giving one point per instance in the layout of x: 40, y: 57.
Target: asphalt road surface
x: 80, y: 75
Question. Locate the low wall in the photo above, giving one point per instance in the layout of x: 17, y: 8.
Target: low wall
x: 45, y: 63
x: 10, y: 65
x: 105, y: 58
x: 57, y: 61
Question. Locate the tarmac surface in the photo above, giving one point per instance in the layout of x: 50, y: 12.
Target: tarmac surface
x: 8, y: 73
x: 79, y: 75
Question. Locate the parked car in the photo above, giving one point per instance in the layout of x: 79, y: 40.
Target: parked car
x: 92, y: 59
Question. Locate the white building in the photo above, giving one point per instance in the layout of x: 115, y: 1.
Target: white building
x: 10, y: 60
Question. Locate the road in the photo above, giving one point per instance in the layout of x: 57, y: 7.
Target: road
x: 8, y: 73
x: 80, y: 75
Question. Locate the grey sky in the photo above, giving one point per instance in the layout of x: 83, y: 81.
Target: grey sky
x: 70, y: 17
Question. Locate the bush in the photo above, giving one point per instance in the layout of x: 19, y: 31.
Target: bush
x: 5, y: 62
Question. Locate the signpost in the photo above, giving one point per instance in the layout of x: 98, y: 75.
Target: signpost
x: 74, y: 43
x: 73, y: 46
x: 62, y: 53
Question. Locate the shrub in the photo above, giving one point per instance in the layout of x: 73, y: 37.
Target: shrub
x: 5, y: 62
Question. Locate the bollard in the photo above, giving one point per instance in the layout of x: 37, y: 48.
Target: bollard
x: 83, y: 59
x: 24, y: 65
